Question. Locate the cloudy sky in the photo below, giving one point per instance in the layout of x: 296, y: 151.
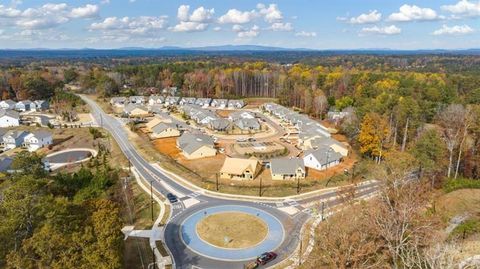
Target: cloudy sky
x: 319, y: 24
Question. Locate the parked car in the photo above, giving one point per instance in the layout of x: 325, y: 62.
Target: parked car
x: 251, y: 139
x: 252, y: 265
x: 172, y: 198
x: 241, y: 140
x: 266, y: 258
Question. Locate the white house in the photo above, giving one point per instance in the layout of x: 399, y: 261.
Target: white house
x: 155, y: 100
x: 37, y: 140
x: 7, y: 104
x: 25, y: 105
x: 322, y: 158
x: 13, y: 139
x: 41, y: 105
x: 9, y: 118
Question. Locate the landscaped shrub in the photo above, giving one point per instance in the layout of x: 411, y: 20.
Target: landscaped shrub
x: 461, y: 183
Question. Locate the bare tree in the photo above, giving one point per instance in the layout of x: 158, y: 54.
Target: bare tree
x: 451, y: 119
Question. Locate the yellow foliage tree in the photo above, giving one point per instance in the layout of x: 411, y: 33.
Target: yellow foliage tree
x: 374, y: 132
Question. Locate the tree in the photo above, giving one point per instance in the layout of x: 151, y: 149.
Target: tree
x: 452, y: 119
x: 29, y: 163
x: 70, y: 75
x: 429, y: 150
x: 374, y: 131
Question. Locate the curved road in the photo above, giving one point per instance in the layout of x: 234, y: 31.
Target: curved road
x: 183, y: 257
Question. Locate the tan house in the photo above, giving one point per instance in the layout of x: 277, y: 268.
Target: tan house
x: 195, y: 146
x: 287, y: 169
x: 135, y: 110
x: 164, y: 130
x: 240, y: 169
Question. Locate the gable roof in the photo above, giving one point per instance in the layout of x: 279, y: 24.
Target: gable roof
x: 247, y: 123
x: 41, y: 134
x: 14, y: 134
x: 219, y: 124
x: 286, y: 166
x: 190, y: 143
x: 321, y: 154
x: 237, y: 166
x: 9, y: 102
x: 9, y: 113
x: 162, y: 127
x: 130, y: 107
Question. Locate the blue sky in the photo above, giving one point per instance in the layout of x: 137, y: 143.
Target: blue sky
x: 319, y: 24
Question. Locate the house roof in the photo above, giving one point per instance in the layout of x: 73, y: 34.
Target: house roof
x: 321, y: 155
x: 41, y: 134
x: 190, y: 143
x: 15, y: 134
x: 156, y: 98
x: 220, y: 124
x: 219, y: 101
x: 130, y: 107
x: 247, y: 124
x: 241, y: 115
x: 9, y: 113
x: 236, y: 103
x: 286, y: 166
x: 236, y: 166
x: 322, y: 141
x: 162, y: 127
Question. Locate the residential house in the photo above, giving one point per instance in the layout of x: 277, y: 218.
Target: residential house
x: 221, y: 125
x: 187, y: 101
x: 203, y: 102
x: 13, y: 139
x: 135, y: 110
x: 155, y: 100
x: 164, y: 130
x: 7, y: 104
x: 219, y: 103
x: 9, y: 118
x: 247, y: 124
x: 25, y: 105
x: 240, y: 169
x: 41, y: 105
x: 153, y: 122
x: 139, y: 100
x: 118, y: 101
x: 236, y: 104
x: 240, y: 115
x: 36, y: 140
x: 195, y: 146
x: 321, y: 158
x: 172, y: 100
x: 287, y: 169
x: 320, y: 142
x: 337, y: 116
x: 171, y: 91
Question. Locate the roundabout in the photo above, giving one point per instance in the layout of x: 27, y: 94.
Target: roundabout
x: 266, y: 232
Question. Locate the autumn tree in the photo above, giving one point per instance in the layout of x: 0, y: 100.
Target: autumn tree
x: 374, y: 131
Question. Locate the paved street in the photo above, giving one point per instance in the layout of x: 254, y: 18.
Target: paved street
x: 292, y: 213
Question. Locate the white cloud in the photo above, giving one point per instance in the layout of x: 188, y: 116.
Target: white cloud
x: 271, y: 13
x: 218, y: 28
x: 8, y: 12
x: 281, y: 26
x: 238, y: 28
x: 41, y: 23
x: 105, y: 2
x: 55, y: 7
x: 249, y: 33
x: 195, y: 22
x: 237, y: 16
x: 414, y: 13
x: 454, y: 30
x: 88, y: 11
x: 189, y: 26
x: 464, y: 8
x: 202, y: 14
x: 306, y: 34
x: 387, y: 30
x: 372, y: 17
x: 134, y: 26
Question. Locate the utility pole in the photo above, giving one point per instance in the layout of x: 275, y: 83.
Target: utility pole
x: 216, y: 180
x: 260, y: 189
x: 301, y: 251
x: 323, y: 210
x: 153, y: 257
x: 298, y: 185
x: 151, y: 197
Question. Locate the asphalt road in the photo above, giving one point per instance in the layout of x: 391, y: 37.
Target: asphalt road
x: 184, y: 257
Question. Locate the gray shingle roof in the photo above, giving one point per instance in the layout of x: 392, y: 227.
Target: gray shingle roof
x: 245, y: 124
x: 286, y: 166
x: 321, y: 155
x: 162, y: 127
x: 5, y: 163
x: 9, y: 113
x: 190, y: 143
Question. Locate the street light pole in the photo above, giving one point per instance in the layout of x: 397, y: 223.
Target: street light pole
x: 323, y: 210
x: 151, y: 197
x: 298, y: 185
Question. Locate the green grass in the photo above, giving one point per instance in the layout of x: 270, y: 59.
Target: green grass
x: 461, y: 183
x: 467, y: 228
x: 143, y: 213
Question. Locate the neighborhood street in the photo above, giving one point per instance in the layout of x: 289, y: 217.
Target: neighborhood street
x: 292, y: 213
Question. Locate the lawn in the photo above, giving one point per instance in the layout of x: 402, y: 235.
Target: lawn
x: 232, y: 230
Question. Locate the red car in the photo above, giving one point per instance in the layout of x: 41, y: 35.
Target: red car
x: 266, y: 258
